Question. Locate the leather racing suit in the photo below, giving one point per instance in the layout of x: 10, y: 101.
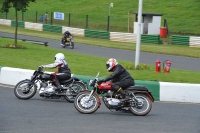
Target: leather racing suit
x: 63, y: 73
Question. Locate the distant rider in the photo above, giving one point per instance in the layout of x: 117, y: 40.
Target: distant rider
x: 63, y: 73
x: 120, y: 77
x: 66, y: 34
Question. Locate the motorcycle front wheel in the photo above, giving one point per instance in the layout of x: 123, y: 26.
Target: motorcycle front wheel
x: 85, y: 105
x: 142, y: 107
x: 74, y: 90
x: 71, y: 45
x: 25, y: 91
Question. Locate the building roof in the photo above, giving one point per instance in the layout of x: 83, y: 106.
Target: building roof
x: 147, y: 13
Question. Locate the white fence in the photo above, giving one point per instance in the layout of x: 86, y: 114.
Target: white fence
x: 73, y: 31
x: 123, y: 37
x: 5, y: 22
x: 194, y: 41
x: 33, y: 26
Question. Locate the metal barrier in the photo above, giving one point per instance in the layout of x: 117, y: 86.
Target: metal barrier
x: 26, y: 40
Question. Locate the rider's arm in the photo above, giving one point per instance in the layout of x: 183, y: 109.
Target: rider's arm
x: 53, y: 65
x: 69, y: 33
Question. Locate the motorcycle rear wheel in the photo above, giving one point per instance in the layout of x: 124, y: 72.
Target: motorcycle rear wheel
x: 86, y: 107
x: 78, y: 87
x: 21, y: 92
x: 143, y: 107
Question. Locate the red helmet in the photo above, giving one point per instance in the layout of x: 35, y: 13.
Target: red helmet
x: 110, y: 64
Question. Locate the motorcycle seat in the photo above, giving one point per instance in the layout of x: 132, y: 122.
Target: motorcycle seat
x: 141, y: 88
x: 65, y: 81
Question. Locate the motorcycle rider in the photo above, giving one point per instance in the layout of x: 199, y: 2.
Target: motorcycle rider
x: 63, y: 73
x: 120, y: 77
x: 65, y: 35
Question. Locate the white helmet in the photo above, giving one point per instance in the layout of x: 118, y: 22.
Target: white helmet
x: 59, y: 57
x: 111, y: 63
x: 66, y: 29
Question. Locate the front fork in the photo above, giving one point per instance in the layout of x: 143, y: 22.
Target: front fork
x: 91, y: 93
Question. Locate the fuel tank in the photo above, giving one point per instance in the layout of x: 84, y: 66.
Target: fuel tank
x: 105, y: 86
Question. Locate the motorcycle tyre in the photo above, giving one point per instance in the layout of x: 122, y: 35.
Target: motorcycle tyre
x: 83, y: 88
x: 24, y: 98
x: 72, y: 45
x: 83, y: 111
x: 147, y: 111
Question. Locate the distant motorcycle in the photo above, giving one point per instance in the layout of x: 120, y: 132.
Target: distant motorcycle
x: 27, y: 88
x: 67, y: 42
x: 139, y: 103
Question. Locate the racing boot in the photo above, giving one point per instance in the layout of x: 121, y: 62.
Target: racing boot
x: 59, y: 87
x: 125, y: 95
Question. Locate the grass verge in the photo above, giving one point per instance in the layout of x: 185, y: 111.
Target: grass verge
x: 82, y: 64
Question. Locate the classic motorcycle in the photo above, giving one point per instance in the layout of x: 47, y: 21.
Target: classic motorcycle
x: 139, y: 103
x: 68, y: 42
x: 27, y: 88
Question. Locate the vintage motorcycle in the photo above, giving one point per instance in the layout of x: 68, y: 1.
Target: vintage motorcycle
x: 27, y: 88
x: 139, y: 103
x: 68, y: 42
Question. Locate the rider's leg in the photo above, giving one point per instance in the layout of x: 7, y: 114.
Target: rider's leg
x: 61, y: 77
x: 56, y: 81
x: 62, y: 41
x: 117, y: 88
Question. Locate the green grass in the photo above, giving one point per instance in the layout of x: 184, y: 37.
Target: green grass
x: 152, y: 48
x: 182, y: 16
x: 82, y: 64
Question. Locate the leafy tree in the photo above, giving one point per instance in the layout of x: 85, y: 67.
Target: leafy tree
x: 19, y: 5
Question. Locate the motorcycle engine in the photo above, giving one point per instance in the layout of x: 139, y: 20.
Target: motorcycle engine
x: 113, y: 101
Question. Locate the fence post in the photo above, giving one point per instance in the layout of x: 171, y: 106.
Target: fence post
x: 69, y: 21
x: 6, y: 15
x: 36, y: 17
x: 22, y: 16
x: 108, y: 28
x: 51, y: 18
x: 165, y: 25
x: 86, y: 21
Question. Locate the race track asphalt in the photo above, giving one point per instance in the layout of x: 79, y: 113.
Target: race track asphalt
x: 38, y: 115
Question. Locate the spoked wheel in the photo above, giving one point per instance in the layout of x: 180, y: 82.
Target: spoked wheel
x: 142, y: 107
x: 73, y: 92
x: 24, y: 91
x: 71, y: 45
x: 85, y: 105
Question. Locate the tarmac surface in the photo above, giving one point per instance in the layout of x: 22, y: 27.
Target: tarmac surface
x: 38, y: 115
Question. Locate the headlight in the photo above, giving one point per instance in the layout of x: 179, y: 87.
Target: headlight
x: 90, y: 82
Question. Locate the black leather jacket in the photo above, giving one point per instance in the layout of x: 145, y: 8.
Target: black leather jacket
x: 119, y: 74
x: 64, y: 69
x: 67, y: 34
